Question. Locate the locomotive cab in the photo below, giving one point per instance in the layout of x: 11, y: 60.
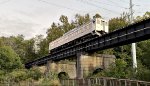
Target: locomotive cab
x: 101, y: 26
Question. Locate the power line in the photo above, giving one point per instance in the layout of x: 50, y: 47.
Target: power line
x: 129, y: 2
x: 99, y: 7
x: 76, y: 9
x: 56, y: 5
x: 124, y: 1
x: 116, y: 4
x: 109, y: 4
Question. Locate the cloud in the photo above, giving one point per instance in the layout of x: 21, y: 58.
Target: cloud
x: 14, y: 26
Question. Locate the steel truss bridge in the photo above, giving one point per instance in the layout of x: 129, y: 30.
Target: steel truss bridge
x: 90, y: 43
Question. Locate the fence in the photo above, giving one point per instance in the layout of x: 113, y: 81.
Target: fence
x: 86, y: 82
x: 103, y: 82
x: 25, y: 83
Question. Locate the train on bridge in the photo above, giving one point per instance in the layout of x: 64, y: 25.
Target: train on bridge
x: 97, y: 26
x: 89, y: 43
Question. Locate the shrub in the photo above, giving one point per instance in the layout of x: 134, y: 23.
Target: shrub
x: 18, y: 75
x: 50, y: 82
x: 34, y: 73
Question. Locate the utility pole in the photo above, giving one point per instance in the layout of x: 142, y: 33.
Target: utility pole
x: 133, y: 50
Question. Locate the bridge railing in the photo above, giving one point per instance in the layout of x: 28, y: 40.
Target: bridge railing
x: 103, y: 82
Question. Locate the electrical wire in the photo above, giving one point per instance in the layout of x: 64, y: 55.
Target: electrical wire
x: 86, y: 2
x: 129, y: 2
x: 56, y: 5
x: 99, y: 7
x: 124, y: 1
x: 108, y: 4
x: 116, y: 4
x: 76, y: 9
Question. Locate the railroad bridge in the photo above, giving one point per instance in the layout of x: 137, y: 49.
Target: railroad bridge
x: 130, y: 34
x: 89, y: 64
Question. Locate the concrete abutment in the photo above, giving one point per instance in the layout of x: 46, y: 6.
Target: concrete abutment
x: 80, y: 68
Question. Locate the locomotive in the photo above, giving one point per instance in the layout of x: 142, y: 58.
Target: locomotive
x: 97, y: 26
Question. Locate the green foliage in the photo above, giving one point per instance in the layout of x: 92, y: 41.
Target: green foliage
x: 143, y: 72
x: 9, y: 60
x: 144, y: 52
x: 80, y: 20
x: 23, y: 48
x: 50, y: 82
x: 18, y: 75
x: 23, y: 74
x: 97, y: 16
x: 118, y: 22
x: 119, y: 70
x: 107, y: 51
x: 34, y: 73
x: 54, y: 32
x: 30, y: 53
x: 140, y: 18
x: 43, y: 45
x: 2, y: 75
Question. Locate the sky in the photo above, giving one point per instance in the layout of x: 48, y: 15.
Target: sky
x: 34, y: 17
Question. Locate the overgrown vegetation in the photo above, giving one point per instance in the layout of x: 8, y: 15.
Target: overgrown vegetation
x: 16, y: 51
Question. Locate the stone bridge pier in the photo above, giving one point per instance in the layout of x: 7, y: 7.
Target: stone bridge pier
x: 80, y: 68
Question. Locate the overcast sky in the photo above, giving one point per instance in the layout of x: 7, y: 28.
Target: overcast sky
x: 33, y: 17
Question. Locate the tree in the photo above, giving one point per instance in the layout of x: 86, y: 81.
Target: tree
x: 119, y: 70
x: 34, y: 73
x: 144, y: 52
x: 118, y: 22
x: 66, y: 26
x: 9, y: 60
x: 80, y: 20
x: 44, y: 46
x: 140, y: 18
x: 29, y: 51
x: 16, y: 43
x: 18, y: 75
x: 97, y: 16
x: 143, y: 72
x: 54, y: 32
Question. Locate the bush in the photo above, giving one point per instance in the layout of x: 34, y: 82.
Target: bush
x: 34, y: 73
x: 143, y: 73
x: 9, y: 60
x: 50, y: 82
x: 18, y: 75
x: 118, y: 70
